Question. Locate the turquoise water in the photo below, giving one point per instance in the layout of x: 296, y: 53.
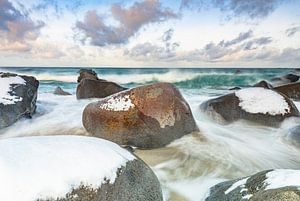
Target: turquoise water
x: 187, y: 78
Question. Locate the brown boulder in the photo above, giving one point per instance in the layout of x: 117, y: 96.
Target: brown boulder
x: 147, y: 117
x: 87, y: 74
x: 290, y: 90
x: 88, y: 88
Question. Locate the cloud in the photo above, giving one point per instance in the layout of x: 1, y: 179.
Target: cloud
x: 290, y: 32
x: 147, y: 50
x: 252, y: 8
x: 131, y: 19
x: 243, y: 46
x: 16, y: 26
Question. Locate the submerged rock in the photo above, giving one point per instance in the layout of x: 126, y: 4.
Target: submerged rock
x: 60, y: 91
x: 73, y: 168
x: 147, y: 117
x: 289, y: 78
x: 290, y: 90
x: 294, y: 135
x: 259, y: 105
x: 18, y: 94
x: 88, y: 88
x: 235, y: 88
x: 270, y: 185
x: 263, y: 84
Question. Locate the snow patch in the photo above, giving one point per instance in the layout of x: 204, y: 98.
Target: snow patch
x: 260, y: 100
x: 118, y: 103
x: 241, y: 183
x: 34, y: 168
x: 6, y: 87
x: 281, y: 178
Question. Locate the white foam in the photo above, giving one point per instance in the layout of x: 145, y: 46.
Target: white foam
x: 6, y: 87
x: 265, y: 101
x: 49, y: 167
x: 281, y: 178
x: 117, y: 103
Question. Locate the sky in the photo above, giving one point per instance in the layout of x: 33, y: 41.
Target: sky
x: 150, y: 33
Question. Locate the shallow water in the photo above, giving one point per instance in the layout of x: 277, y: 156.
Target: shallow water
x: 189, y: 166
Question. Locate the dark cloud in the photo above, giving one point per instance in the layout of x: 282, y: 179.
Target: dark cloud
x: 16, y: 25
x: 130, y: 21
x: 150, y: 51
x: 290, y: 32
x: 249, y: 8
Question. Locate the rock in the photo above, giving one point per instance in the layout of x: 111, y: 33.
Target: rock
x: 263, y: 84
x: 291, y: 77
x: 73, y: 168
x: 270, y: 185
x: 18, y: 94
x: 235, y: 88
x: 290, y: 90
x: 256, y: 104
x: 147, y: 117
x: 88, y: 88
x: 60, y: 91
x: 87, y: 74
x: 294, y: 135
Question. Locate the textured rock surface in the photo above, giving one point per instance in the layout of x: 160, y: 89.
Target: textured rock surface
x: 227, y: 109
x: 88, y: 88
x: 263, y: 84
x: 148, y: 116
x: 27, y: 93
x: 290, y: 90
x: 135, y: 182
x: 253, y: 188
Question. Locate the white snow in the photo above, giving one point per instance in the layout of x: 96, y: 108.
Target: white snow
x: 44, y: 167
x: 260, y: 100
x: 117, y: 103
x: 6, y: 87
x: 240, y: 183
x: 282, y: 177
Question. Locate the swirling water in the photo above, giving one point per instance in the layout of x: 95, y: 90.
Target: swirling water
x: 190, y: 165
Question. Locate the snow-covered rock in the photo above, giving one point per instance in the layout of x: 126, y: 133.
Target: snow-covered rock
x: 256, y: 104
x: 18, y: 94
x: 69, y: 167
x: 270, y: 185
x: 148, y: 116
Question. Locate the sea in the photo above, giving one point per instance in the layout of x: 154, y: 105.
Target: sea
x: 189, y: 166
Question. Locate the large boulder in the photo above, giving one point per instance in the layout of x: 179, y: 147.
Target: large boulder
x: 88, y: 88
x: 259, y: 105
x: 290, y: 90
x: 73, y: 168
x: 270, y: 185
x: 87, y: 74
x: 147, y: 117
x: 18, y: 94
x: 61, y: 92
